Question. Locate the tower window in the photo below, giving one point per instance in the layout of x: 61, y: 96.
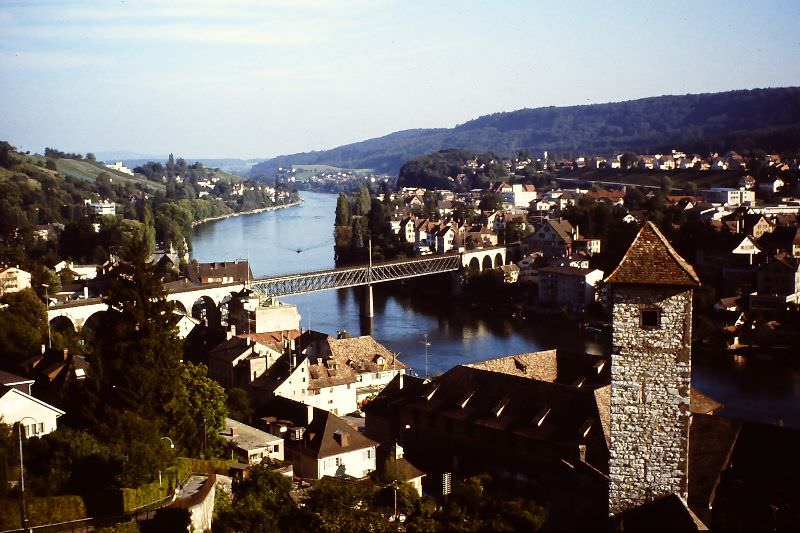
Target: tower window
x: 650, y: 318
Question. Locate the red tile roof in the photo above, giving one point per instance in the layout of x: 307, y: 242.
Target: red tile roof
x: 651, y: 260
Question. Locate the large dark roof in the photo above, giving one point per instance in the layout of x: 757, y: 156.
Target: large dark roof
x: 651, y: 260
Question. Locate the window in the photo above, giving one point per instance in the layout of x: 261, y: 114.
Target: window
x: 650, y: 318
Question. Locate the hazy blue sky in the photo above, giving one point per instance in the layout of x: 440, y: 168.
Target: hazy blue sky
x: 262, y: 78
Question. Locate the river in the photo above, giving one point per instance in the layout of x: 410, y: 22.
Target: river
x: 299, y: 239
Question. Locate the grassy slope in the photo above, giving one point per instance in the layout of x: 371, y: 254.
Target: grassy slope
x: 89, y: 171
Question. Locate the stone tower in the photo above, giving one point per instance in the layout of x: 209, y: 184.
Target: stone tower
x: 651, y: 293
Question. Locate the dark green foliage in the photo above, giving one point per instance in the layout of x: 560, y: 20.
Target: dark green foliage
x: 449, y: 169
x: 23, y: 327
x: 239, y: 406
x: 261, y: 502
x: 738, y: 120
x: 343, y: 211
x: 200, y: 412
x: 137, y: 353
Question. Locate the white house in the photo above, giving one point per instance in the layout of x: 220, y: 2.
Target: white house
x: 13, y: 279
x: 37, y: 417
x: 729, y: 196
x: 524, y: 194
x: 320, y: 443
x: 103, y: 207
x: 79, y: 272
x: 120, y: 167
x: 250, y: 445
x: 372, y: 363
x: 574, y: 288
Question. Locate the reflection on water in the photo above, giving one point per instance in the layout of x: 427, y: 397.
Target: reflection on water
x: 755, y: 389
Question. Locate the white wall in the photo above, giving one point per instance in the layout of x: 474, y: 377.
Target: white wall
x: 16, y: 405
x: 356, y: 463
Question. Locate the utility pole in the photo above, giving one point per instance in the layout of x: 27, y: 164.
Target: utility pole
x: 47, y: 305
x: 426, y: 343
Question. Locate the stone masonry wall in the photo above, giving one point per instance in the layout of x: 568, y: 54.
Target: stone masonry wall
x: 650, y: 380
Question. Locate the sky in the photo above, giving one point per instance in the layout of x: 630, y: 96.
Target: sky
x: 260, y: 78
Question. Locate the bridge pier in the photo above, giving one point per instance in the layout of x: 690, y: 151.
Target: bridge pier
x: 368, y: 309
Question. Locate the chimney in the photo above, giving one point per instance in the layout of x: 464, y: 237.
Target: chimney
x: 400, y: 381
x: 44, y: 348
x: 309, y: 414
x: 85, y: 292
x: 66, y: 354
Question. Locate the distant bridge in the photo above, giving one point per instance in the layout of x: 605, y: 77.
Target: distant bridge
x: 189, y: 298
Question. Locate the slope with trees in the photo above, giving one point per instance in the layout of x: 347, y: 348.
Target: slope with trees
x: 738, y: 120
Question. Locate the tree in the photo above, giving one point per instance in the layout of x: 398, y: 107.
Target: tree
x: 363, y: 202
x: 23, y: 326
x: 200, y: 412
x: 239, y: 406
x: 261, y: 502
x: 136, y: 356
x: 343, y: 214
x: 490, y: 201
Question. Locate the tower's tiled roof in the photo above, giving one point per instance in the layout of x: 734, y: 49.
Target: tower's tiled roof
x: 651, y: 260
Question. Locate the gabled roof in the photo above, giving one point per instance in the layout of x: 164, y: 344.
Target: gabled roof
x: 6, y: 391
x: 325, y: 436
x: 651, y: 260
x: 9, y: 379
x: 363, y: 354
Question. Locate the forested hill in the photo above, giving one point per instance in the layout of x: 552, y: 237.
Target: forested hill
x: 739, y: 120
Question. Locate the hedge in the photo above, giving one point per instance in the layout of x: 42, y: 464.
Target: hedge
x: 40, y: 511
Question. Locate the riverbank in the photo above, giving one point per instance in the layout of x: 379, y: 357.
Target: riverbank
x: 250, y: 212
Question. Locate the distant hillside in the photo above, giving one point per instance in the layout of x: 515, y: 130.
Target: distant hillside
x: 759, y: 118
x: 85, y: 169
x: 238, y: 167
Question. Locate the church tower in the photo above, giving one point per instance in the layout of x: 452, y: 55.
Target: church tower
x: 651, y: 293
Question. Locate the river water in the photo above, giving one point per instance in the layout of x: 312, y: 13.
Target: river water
x: 300, y: 239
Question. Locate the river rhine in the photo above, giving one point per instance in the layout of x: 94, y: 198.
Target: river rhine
x: 299, y: 239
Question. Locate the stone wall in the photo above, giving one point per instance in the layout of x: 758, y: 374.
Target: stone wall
x: 650, y: 380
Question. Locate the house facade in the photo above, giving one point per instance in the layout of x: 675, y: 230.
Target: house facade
x: 13, y: 279
x: 572, y: 287
x: 38, y: 418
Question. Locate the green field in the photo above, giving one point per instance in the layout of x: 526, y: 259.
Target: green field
x: 88, y: 170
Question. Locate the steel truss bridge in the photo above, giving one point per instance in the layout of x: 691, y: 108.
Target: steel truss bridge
x: 340, y: 278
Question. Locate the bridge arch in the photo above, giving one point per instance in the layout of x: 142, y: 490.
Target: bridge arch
x: 180, y: 307
x: 61, y: 324
x: 498, y: 260
x: 486, y: 264
x: 96, y: 320
x: 205, y: 309
x: 474, y: 264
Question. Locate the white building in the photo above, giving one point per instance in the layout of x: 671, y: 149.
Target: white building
x: 524, y: 194
x: 103, y: 207
x: 250, y: 445
x: 13, y: 279
x: 729, y: 196
x: 119, y: 167
x: 574, y: 288
x: 37, y: 417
